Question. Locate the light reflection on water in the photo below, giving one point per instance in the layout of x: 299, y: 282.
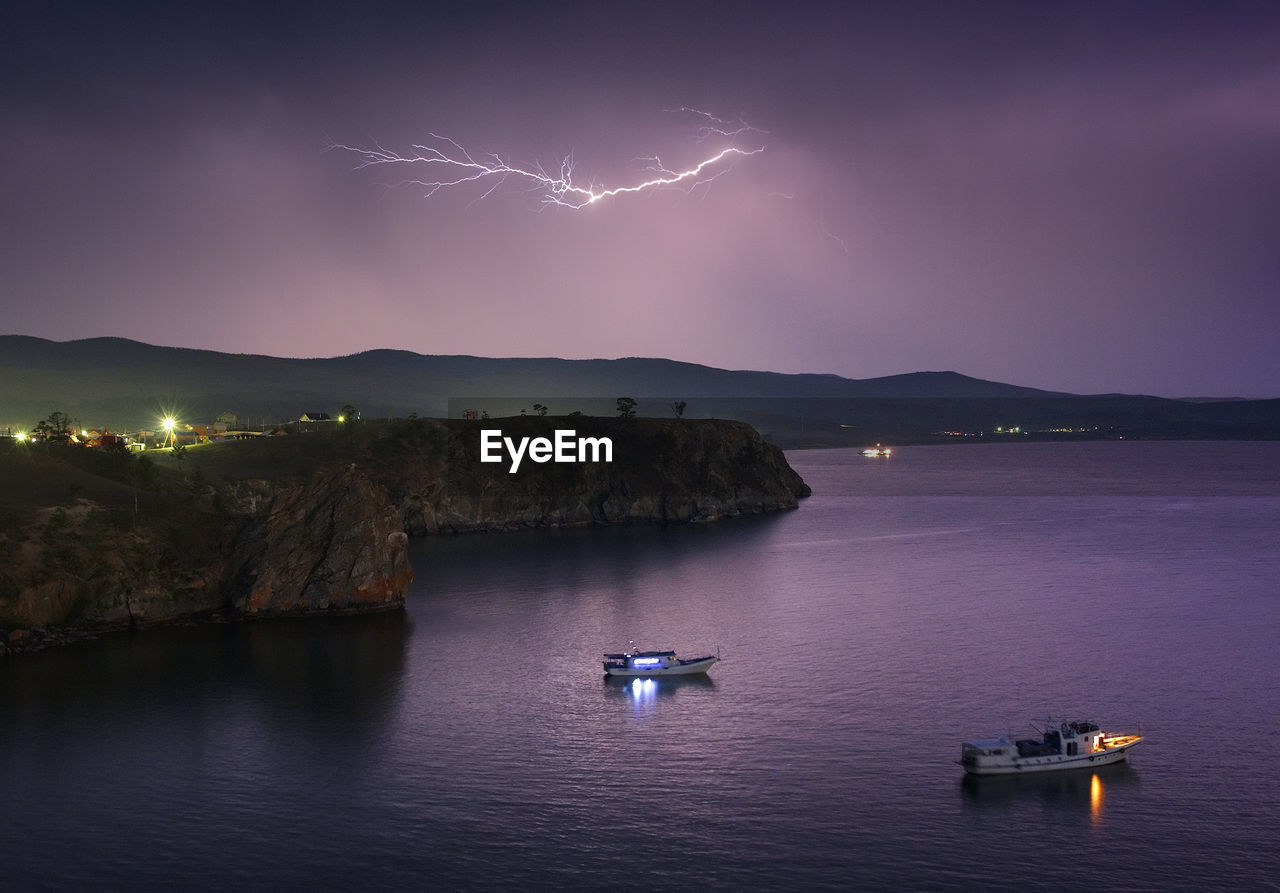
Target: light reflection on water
x: 1081, y: 793
x: 646, y: 692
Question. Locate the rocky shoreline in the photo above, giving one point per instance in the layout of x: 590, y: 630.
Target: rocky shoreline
x: 319, y: 522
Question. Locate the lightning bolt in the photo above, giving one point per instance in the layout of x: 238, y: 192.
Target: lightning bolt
x: 452, y: 165
x: 719, y: 126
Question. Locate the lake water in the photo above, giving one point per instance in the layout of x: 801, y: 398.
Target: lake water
x: 472, y: 742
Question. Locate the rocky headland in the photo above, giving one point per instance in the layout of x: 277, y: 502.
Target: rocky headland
x: 318, y: 521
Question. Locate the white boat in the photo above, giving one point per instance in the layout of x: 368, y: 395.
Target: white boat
x: 655, y: 663
x: 1073, y: 745
x: 877, y: 451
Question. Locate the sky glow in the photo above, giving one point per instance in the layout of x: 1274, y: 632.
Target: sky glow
x: 1080, y: 199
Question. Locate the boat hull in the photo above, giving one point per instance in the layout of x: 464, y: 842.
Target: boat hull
x: 1052, y: 762
x: 683, y: 668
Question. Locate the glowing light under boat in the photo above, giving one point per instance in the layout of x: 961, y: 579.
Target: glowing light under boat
x: 643, y: 688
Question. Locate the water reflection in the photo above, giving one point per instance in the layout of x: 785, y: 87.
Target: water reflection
x: 352, y: 665
x: 1095, y: 799
x: 291, y: 674
x: 588, y: 560
x: 1080, y: 792
x: 645, y: 692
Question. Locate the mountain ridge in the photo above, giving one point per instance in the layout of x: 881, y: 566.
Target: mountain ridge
x: 128, y: 385
x: 387, y: 381
x: 31, y: 347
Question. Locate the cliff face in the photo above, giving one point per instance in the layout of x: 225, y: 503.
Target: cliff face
x: 333, y: 543
x: 319, y: 522
x: 84, y: 566
x: 329, y: 542
x: 696, y: 470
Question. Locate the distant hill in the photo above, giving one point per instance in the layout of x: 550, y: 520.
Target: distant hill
x: 99, y: 378
x: 126, y: 385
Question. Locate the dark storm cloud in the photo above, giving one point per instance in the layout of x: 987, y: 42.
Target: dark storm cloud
x: 1077, y: 199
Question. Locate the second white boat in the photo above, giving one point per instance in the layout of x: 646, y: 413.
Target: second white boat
x: 1073, y: 745
x: 655, y: 663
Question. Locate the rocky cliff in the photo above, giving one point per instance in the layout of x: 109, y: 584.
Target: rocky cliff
x: 318, y: 521
x: 327, y: 542
x: 696, y: 470
x: 332, y: 543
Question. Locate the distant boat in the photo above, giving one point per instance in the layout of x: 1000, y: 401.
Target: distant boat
x: 877, y: 451
x: 655, y: 663
x: 1080, y: 744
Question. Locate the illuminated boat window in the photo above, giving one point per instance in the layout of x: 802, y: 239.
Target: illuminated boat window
x: 646, y: 661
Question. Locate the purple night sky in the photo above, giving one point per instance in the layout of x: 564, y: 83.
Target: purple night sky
x: 1083, y: 199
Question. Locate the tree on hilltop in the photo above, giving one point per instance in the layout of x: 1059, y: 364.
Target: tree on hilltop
x: 58, y: 424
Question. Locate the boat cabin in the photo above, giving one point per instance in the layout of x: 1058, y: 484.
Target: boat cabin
x: 641, y: 660
x: 1069, y: 739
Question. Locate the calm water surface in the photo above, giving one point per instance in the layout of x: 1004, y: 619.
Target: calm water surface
x: 472, y: 743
